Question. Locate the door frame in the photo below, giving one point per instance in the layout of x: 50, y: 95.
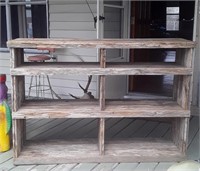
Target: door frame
x: 125, y: 25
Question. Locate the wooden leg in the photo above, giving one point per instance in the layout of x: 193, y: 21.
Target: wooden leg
x: 180, y: 128
x: 18, y: 136
x: 101, y: 135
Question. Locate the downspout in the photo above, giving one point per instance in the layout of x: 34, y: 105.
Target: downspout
x: 47, y: 14
x: 196, y: 61
x: 8, y: 21
x: 97, y: 27
x: 98, y: 13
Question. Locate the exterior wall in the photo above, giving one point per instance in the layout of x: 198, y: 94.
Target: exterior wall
x: 72, y: 20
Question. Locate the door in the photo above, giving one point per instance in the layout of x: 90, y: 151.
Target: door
x: 115, y: 27
x: 158, y: 19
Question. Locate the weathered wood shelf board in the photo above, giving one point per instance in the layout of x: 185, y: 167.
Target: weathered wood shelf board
x: 63, y: 151
x: 90, y: 109
x: 101, y: 43
x: 175, y: 110
x: 95, y: 69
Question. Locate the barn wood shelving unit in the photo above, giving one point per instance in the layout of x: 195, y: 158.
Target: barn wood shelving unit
x: 101, y: 149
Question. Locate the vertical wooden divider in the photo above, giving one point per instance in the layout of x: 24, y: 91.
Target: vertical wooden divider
x: 101, y: 136
x: 182, y: 94
x: 102, y: 79
x: 18, y: 96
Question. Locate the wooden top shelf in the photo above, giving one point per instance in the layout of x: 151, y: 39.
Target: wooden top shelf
x: 101, y: 43
x: 91, y: 109
x: 95, y: 69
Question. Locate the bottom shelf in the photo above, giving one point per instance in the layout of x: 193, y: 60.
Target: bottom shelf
x: 86, y: 150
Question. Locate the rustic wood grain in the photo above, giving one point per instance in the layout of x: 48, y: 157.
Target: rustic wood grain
x: 182, y: 84
x: 48, y: 152
x: 102, y: 92
x: 101, y: 43
x: 90, y: 109
x: 183, y: 91
x: 184, y: 57
x: 17, y: 83
x: 101, y: 136
x: 132, y: 150
x: 18, y: 92
x: 94, y: 69
x: 18, y: 136
x: 180, y: 128
x: 17, y: 57
x: 18, y: 96
x: 102, y: 82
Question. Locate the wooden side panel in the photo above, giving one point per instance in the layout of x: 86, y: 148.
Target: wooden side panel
x: 182, y: 94
x: 18, y: 82
x: 18, y: 92
x: 184, y: 57
x: 182, y: 84
x: 180, y: 128
x: 183, y: 91
x: 18, y: 136
x: 17, y: 57
x: 18, y: 96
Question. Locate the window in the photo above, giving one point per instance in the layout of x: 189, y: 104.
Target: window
x: 3, y: 35
x: 172, y: 20
x: 14, y: 25
x: 26, y: 20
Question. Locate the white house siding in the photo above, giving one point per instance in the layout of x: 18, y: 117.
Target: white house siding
x: 72, y: 19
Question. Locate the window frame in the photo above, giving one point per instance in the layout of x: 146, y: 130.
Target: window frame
x: 22, y: 17
x: 173, y: 14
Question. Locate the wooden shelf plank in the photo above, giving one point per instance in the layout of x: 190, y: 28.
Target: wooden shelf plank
x: 132, y: 150
x: 95, y: 69
x: 90, y: 109
x: 150, y: 43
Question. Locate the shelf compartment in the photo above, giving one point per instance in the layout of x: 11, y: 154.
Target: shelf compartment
x: 91, y: 109
x: 63, y: 151
x: 50, y: 68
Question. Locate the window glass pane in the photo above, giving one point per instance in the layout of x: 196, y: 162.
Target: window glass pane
x: 172, y: 22
x: 15, y: 22
x: 39, y: 21
x: 29, y: 22
x: 172, y: 17
x: 172, y: 26
x: 172, y: 10
x: 3, y: 35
